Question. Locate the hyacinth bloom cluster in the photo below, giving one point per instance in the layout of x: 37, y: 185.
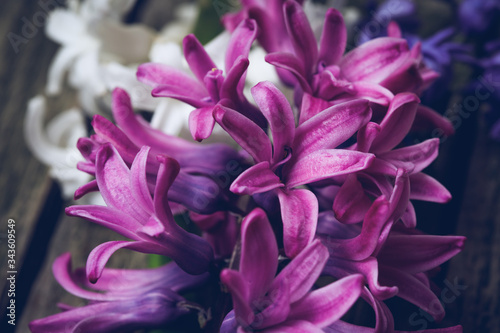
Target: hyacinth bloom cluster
x: 311, y: 212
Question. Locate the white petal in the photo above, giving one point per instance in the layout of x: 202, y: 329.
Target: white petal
x: 65, y: 27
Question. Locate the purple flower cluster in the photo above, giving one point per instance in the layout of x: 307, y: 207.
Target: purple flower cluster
x: 323, y: 186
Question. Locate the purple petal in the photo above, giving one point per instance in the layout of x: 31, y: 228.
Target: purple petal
x: 169, y: 169
x: 277, y: 311
x: 326, y: 305
x: 245, y: 132
x: 259, y: 253
x: 339, y: 268
x: 303, y: 271
x: 366, y: 136
x: 363, y: 245
x: 292, y: 64
x: 201, y: 123
x: 241, y: 42
x: 100, y: 255
x: 326, y: 163
x: 257, y: 179
x: 299, y: 212
x: 427, y: 118
x: 396, y: 123
x: 171, y: 82
x: 311, y: 106
x: 138, y: 183
x: 331, y: 127
x: 375, y: 60
x: 420, y: 155
x: 426, y: 188
x: 302, y: 36
x: 333, y: 38
x: 351, y: 203
x: 239, y: 289
x: 196, y: 56
x: 279, y: 114
x: 230, y: 87
x: 112, y: 176
x: 413, y: 290
x: 111, y: 218
x: 419, y: 253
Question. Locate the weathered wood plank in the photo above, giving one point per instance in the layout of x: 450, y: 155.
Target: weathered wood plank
x: 477, y: 268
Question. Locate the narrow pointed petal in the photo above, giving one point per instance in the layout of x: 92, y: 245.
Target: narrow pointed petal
x: 196, y: 56
x: 351, y: 203
x: 230, y: 87
x: 100, y: 255
x: 419, y: 253
x: 333, y: 38
x: 259, y: 253
x: 257, y: 179
x: 185, y: 96
x: 366, y: 136
x: 108, y: 217
x: 245, y: 132
x: 372, y: 92
x: 426, y: 188
x: 138, y: 182
x: 87, y: 188
x: 239, y: 288
x: 397, y: 122
x: 366, y: 242
x: 290, y: 63
x: 201, y: 123
x: 177, y: 81
x: 420, y: 155
x: 303, y: 271
x: 299, y: 212
x: 339, y: 268
x: 326, y: 163
x: 241, y: 42
x: 112, y: 176
x: 303, y: 40
x: 331, y: 127
x: 278, y: 113
x: 380, y: 58
x: 409, y: 217
x: 413, y: 291
x: 311, y: 106
x: 427, y: 118
x: 326, y: 305
x: 169, y: 169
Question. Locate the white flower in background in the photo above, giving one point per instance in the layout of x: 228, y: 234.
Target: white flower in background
x: 316, y: 14
x: 91, y: 34
x: 55, y: 146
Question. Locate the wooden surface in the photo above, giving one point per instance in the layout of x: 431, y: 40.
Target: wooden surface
x: 468, y: 165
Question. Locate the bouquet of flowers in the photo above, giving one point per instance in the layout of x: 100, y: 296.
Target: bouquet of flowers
x: 300, y: 204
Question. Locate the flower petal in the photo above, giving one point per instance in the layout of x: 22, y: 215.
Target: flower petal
x: 351, y: 203
x: 326, y: 305
x: 257, y: 179
x: 396, y: 123
x: 278, y: 113
x: 299, y: 211
x: 333, y: 38
x: 201, y: 123
x: 326, y: 163
x: 239, y: 289
x: 259, y: 253
x: 303, y: 271
x: 420, y: 155
x: 245, y: 132
x: 198, y: 59
x: 331, y: 127
x: 426, y: 188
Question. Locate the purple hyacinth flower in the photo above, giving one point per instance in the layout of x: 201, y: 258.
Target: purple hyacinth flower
x: 393, y: 259
x: 265, y: 303
x: 121, y: 301
x: 381, y: 176
x: 297, y: 156
x: 195, y: 187
x: 133, y: 213
x: 210, y: 87
x: 374, y: 71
